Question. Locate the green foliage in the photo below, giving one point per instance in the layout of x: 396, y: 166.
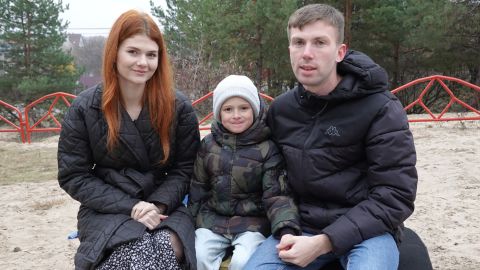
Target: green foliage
x: 34, y: 64
x: 413, y: 39
x: 400, y: 35
x: 249, y: 35
x: 409, y: 38
x: 463, y: 38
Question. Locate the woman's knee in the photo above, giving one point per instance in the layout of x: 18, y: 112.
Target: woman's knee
x: 177, y: 245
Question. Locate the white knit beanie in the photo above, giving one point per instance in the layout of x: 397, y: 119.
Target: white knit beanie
x: 235, y: 86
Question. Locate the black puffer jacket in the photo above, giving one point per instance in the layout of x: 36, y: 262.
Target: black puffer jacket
x: 350, y: 155
x: 108, y: 185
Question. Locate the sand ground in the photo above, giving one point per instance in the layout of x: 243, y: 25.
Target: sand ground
x: 37, y: 216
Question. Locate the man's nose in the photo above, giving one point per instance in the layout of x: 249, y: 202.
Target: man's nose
x: 307, y: 51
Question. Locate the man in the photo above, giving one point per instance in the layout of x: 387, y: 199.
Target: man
x: 349, y: 153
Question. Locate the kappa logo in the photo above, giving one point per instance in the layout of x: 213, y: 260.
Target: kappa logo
x: 332, y: 131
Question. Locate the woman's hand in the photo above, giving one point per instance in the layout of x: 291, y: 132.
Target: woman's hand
x: 141, y: 208
x: 148, y: 214
x: 152, y: 219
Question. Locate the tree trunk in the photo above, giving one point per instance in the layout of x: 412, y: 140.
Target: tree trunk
x: 396, y: 64
x: 348, y: 22
x: 259, y: 62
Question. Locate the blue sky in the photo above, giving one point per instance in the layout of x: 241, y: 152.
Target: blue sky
x: 95, y: 17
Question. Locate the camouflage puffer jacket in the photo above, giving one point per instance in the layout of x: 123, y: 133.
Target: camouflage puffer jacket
x: 239, y: 183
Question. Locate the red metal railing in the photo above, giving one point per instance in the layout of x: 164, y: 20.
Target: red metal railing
x: 453, y: 99
x: 36, y: 127
x: 25, y: 128
x: 14, y: 128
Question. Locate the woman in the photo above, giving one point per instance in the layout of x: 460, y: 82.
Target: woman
x: 126, y: 153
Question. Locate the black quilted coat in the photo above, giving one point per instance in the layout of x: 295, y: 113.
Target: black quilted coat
x: 350, y: 155
x: 108, y: 185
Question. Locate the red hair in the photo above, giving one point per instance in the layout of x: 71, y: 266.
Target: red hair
x: 159, y: 94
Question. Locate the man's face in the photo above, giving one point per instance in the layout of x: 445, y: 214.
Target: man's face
x: 314, y: 54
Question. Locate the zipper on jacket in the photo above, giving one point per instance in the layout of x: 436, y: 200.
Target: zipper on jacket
x: 231, y: 149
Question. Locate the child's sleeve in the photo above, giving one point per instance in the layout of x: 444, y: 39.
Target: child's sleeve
x: 199, y: 186
x: 279, y: 204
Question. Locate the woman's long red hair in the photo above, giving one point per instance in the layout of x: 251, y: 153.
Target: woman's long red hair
x: 159, y: 94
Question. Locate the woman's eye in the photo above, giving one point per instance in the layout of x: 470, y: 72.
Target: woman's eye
x: 152, y: 55
x: 132, y: 52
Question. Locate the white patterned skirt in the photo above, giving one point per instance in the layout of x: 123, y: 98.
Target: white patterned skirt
x: 152, y: 251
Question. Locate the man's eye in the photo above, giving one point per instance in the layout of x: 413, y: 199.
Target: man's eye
x: 298, y: 43
x: 319, y: 43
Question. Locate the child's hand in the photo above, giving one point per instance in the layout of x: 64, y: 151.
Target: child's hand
x: 285, y: 243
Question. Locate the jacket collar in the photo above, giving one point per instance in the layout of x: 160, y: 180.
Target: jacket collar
x: 361, y: 76
x: 97, y: 97
x: 132, y: 135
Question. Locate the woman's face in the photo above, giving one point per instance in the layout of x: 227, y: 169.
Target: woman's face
x: 137, y: 60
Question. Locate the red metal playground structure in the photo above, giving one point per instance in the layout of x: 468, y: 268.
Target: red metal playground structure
x: 24, y: 125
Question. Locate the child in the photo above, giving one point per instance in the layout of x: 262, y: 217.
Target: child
x: 239, y: 193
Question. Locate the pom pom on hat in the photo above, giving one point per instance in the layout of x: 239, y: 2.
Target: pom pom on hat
x: 235, y: 86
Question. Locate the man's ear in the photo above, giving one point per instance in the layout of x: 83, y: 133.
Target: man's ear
x: 341, y: 51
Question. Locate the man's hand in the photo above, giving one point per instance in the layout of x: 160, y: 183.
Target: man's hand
x: 302, y: 250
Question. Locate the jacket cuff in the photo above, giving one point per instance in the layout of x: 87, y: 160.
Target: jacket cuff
x: 343, y: 235
x: 286, y: 230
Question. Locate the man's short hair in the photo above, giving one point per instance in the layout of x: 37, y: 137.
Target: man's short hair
x: 317, y: 12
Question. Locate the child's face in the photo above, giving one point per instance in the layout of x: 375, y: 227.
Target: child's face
x: 236, y: 115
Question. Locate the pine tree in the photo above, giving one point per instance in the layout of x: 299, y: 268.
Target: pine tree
x: 34, y: 64
x: 402, y: 36
x: 248, y: 35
